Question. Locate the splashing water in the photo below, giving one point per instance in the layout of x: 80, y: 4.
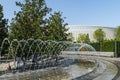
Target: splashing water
x: 36, y: 58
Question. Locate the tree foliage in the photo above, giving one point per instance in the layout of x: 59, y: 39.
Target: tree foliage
x: 3, y: 31
x: 117, y: 34
x: 99, y: 35
x: 30, y: 21
x: 56, y: 27
x: 35, y: 21
x: 3, y: 26
x: 83, y: 38
x: 70, y: 37
x: 107, y: 45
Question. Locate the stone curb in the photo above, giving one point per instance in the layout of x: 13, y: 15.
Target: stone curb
x: 99, y: 69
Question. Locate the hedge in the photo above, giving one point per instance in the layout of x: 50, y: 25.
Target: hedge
x: 107, y: 46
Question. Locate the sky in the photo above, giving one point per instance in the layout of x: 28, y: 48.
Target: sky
x: 77, y: 12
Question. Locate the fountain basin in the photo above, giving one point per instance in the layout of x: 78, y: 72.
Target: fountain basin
x: 74, y: 69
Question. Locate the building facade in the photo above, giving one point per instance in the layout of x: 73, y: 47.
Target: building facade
x: 77, y: 29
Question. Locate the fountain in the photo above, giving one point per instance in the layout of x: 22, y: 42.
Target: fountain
x: 43, y: 60
x: 80, y: 47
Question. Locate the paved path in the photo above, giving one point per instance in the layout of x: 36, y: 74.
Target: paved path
x: 96, y: 72
x: 112, y: 71
x: 116, y: 61
x: 109, y: 73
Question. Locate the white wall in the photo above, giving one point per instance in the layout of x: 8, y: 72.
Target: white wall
x: 77, y: 29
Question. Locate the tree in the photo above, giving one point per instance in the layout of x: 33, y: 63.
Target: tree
x: 3, y: 28
x: 99, y: 35
x: 117, y: 34
x: 57, y: 28
x: 30, y: 21
x: 87, y: 40
x: 70, y: 37
x: 35, y: 21
x: 83, y: 38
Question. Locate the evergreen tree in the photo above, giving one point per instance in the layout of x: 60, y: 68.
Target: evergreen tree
x: 3, y: 26
x: 70, y: 37
x: 57, y: 28
x: 87, y: 40
x: 3, y: 30
x: 33, y: 22
x: 30, y: 21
